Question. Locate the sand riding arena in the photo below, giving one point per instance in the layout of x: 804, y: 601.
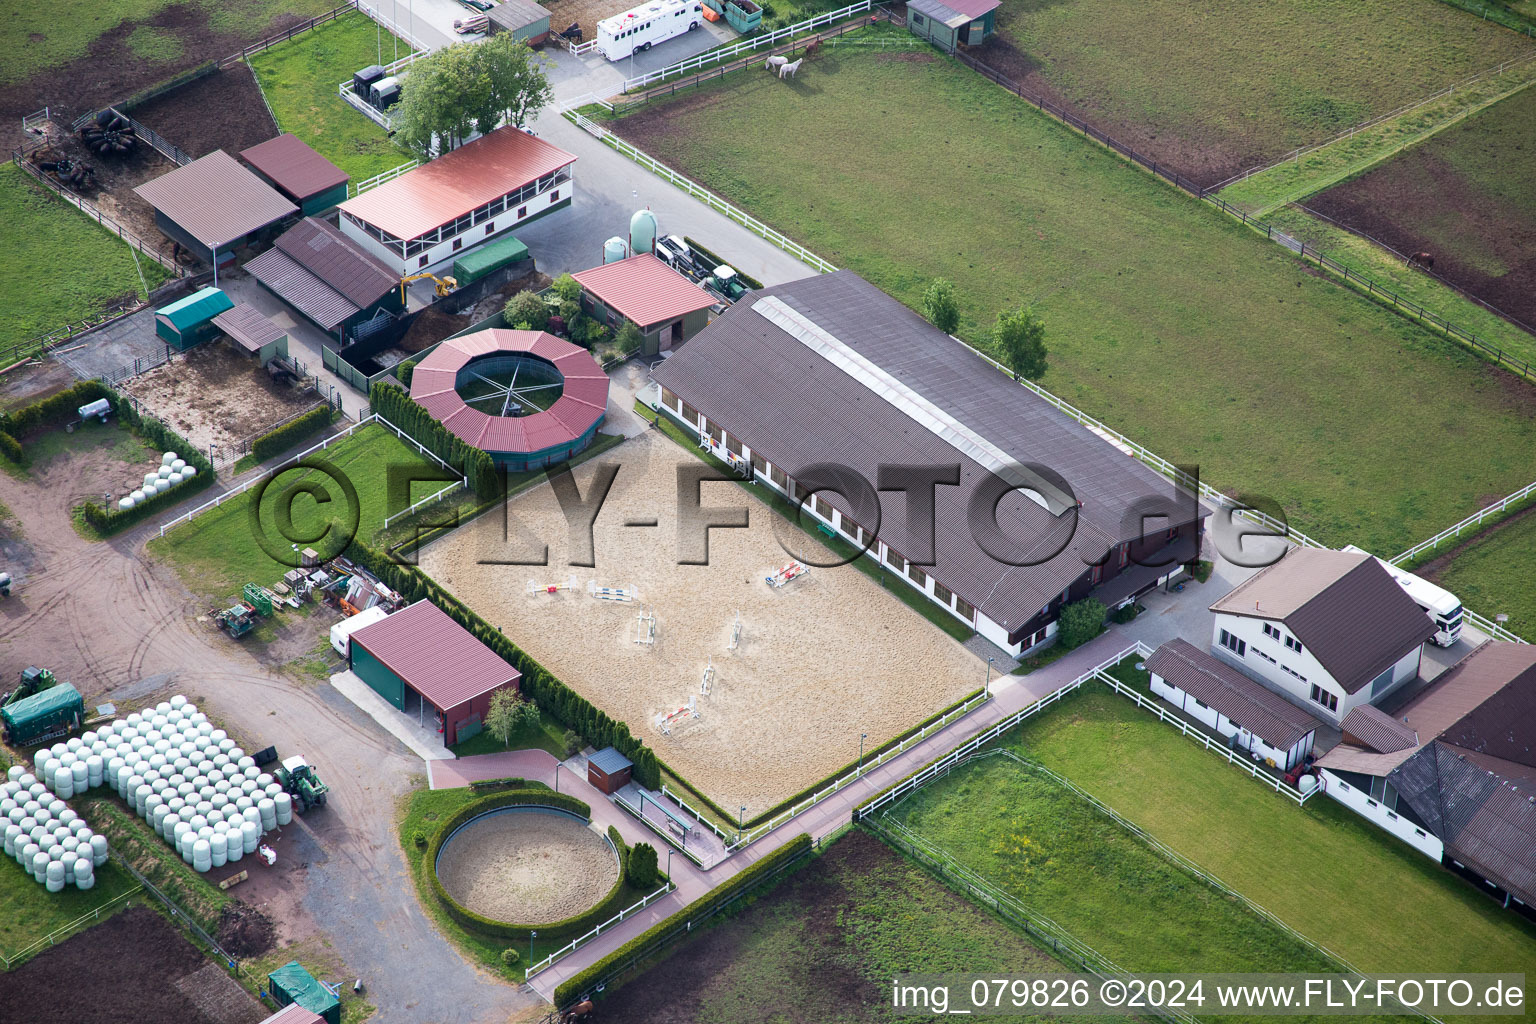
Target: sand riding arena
x: 820, y: 660
x: 527, y: 865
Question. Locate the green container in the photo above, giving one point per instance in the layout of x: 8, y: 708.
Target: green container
x: 58, y: 707
x: 743, y: 15
x: 487, y: 258
x: 291, y: 983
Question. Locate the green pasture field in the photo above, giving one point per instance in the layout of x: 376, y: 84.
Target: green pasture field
x: 1493, y: 574
x: 300, y: 76
x: 1319, y: 868
x: 1212, y: 90
x: 58, y: 266
x: 1165, y: 318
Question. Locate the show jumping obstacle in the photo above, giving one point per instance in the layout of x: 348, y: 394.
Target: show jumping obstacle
x: 645, y: 627
x: 666, y: 719
x: 792, y: 571
x: 535, y: 587
x: 613, y: 593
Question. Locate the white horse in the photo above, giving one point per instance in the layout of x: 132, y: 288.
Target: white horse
x: 776, y: 63
x: 788, y: 70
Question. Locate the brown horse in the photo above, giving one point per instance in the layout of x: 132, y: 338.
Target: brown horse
x: 1422, y: 259
x: 811, y: 48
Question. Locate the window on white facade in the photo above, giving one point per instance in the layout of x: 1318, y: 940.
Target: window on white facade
x: 1271, y: 632
x: 1234, y: 644
x: 1323, y: 697
x: 1381, y: 682
x: 1293, y: 644
x: 1291, y: 671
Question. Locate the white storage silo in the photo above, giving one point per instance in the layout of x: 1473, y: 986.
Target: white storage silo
x: 283, y: 808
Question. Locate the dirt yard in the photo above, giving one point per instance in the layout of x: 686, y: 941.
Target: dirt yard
x: 823, y: 659
x: 528, y: 866
x: 33, y: 382
x: 130, y: 968
x: 215, y: 394
x: 223, y: 110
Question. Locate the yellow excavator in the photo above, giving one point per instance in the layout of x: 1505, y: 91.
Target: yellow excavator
x: 444, y: 284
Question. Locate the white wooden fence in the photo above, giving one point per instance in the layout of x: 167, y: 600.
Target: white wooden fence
x: 698, y: 191
x: 357, y: 188
x: 746, y: 45
x: 64, y: 931
x: 429, y: 499
x: 1475, y: 519
x: 582, y: 940
x: 379, y: 117
x: 288, y: 462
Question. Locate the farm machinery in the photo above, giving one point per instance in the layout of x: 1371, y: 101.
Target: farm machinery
x: 40, y: 708
x: 300, y: 781
x: 5, y: 584
x: 240, y: 618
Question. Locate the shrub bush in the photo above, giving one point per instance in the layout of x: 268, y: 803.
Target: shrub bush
x: 572, y: 742
x: 1081, y: 621
x: 420, y: 839
x: 55, y: 409
x: 617, y: 838
x: 1125, y: 613
x: 640, y: 866
x: 275, y: 442
x: 11, y: 448
x: 510, y: 957
x: 403, y: 372
x: 107, y: 520
x: 567, y: 287
x: 526, y: 307
x: 1202, y: 570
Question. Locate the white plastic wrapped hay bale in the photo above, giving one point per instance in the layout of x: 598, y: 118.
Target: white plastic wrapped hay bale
x: 40, y: 864
x: 202, y: 856
x: 85, y: 874
x: 234, y: 840
x: 94, y: 767
x: 250, y: 833
x: 53, y: 876
x: 218, y: 849
x: 282, y: 809
x: 64, y: 782
x: 80, y: 773
x: 268, y: 811
x: 12, y: 834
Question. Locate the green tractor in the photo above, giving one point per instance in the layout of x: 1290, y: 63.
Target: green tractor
x: 236, y: 620
x: 727, y: 282
x: 300, y: 780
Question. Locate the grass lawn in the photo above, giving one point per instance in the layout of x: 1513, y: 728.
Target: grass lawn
x: 59, y: 266
x: 34, y: 39
x: 1212, y: 90
x: 318, y: 958
x: 1322, y: 870
x: 545, y: 734
x: 1493, y: 575
x: 300, y: 77
x: 1376, y: 263
x: 1165, y: 318
x: 28, y: 911
x: 218, y: 552
x: 823, y: 944
x: 1064, y: 859
x: 132, y: 839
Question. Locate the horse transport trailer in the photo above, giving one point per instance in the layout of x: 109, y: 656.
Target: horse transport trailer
x: 643, y: 27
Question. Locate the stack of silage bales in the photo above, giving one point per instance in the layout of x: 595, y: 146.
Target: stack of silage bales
x: 199, y: 792
x: 51, y: 842
x: 171, y: 471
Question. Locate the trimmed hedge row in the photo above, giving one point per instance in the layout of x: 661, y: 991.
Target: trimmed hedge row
x: 275, y: 442
x: 49, y: 412
x: 511, y: 782
x: 579, y: 983
x: 540, y: 685
x: 503, y: 929
x: 391, y: 401
x: 107, y: 520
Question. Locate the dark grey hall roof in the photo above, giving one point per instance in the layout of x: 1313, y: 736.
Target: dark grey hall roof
x: 797, y: 408
x: 1485, y: 818
x: 322, y: 273
x: 1263, y: 712
x: 515, y: 14
x: 1343, y: 606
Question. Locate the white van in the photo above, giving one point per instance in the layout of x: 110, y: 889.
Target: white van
x: 341, y: 633
x: 1438, y: 603
x: 645, y: 26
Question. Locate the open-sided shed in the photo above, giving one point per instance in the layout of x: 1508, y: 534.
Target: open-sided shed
x: 253, y: 333
x: 526, y: 20
x: 189, y: 321
x: 419, y: 657
x: 951, y: 23
x: 213, y: 205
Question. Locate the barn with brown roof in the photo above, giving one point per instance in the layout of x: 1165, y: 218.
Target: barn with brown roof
x: 331, y: 279
x: 419, y: 659
x: 214, y: 205
x: 305, y: 177
x: 667, y: 308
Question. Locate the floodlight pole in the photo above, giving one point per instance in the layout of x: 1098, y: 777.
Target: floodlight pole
x: 531, y: 936
x: 862, y: 737
x: 988, y: 684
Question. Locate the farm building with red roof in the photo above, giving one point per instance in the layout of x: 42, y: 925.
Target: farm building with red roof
x: 430, y: 215
x: 666, y: 306
x: 420, y: 659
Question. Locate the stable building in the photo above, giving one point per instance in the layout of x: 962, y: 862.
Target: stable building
x: 426, y: 217
x: 666, y: 306
x: 949, y: 24
x: 1331, y: 630
x: 422, y: 661
x: 253, y: 333
x: 304, y: 177
x: 214, y: 205
x: 1253, y: 719
x: 1030, y: 509
x: 527, y: 21
x: 333, y: 280
x: 190, y: 321
x: 1452, y: 772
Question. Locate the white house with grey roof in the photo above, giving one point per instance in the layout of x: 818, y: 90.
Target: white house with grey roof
x: 830, y: 383
x: 1330, y: 629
